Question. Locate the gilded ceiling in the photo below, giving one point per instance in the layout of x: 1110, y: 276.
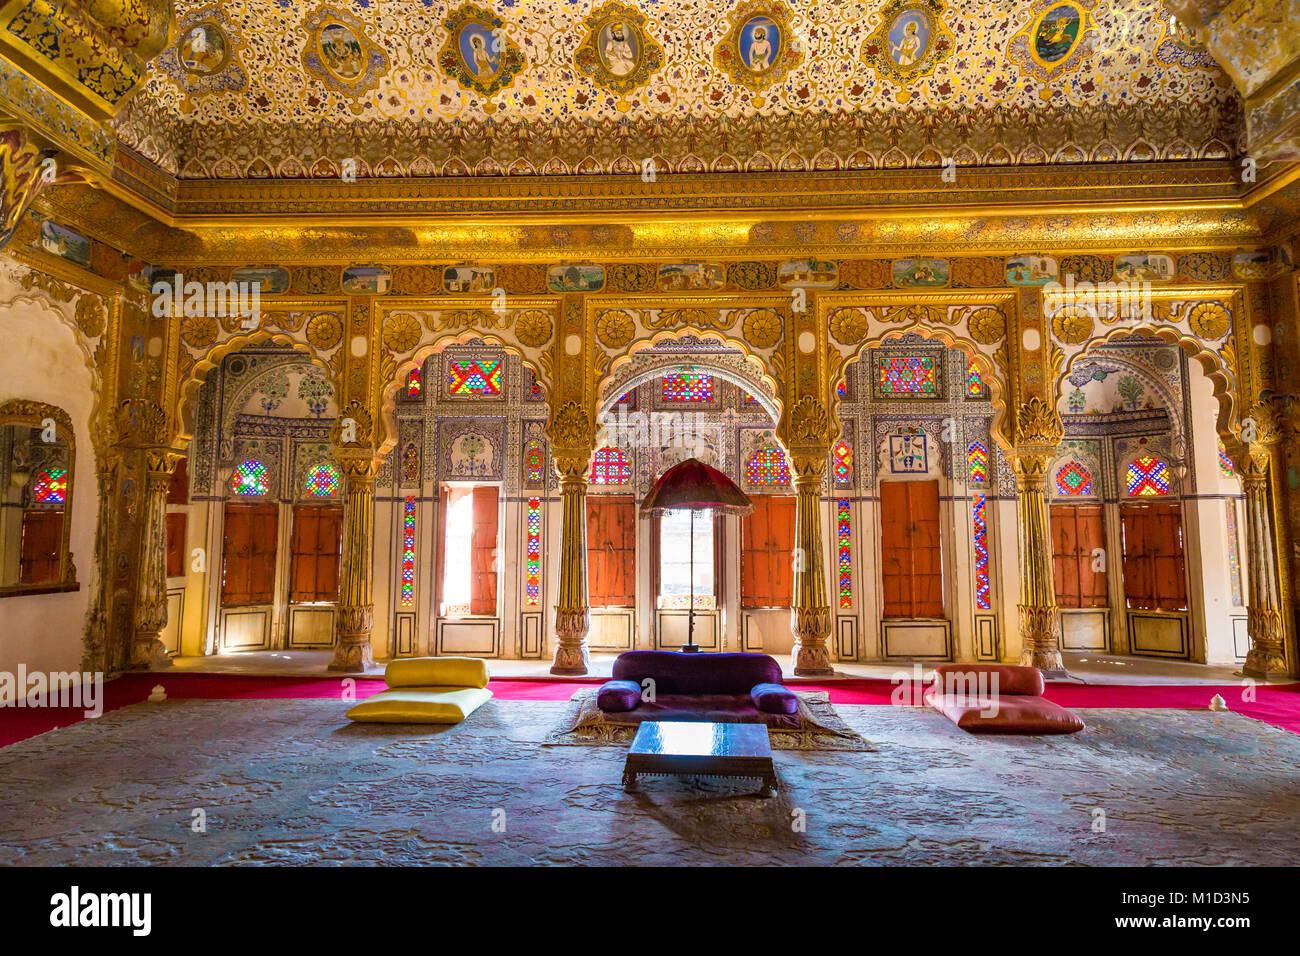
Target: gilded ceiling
x: 269, y: 88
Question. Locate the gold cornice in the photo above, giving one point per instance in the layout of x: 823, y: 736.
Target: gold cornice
x: 63, y: 270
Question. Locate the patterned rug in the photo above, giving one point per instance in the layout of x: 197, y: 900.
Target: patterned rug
x: 818, y: 727
x: 203, y: 782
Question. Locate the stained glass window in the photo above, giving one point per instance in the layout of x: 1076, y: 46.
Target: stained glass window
x: 408, y: 552
x: 50, y: 487
x: 688, y: 387
x: 414, y: 384
x: 611, y: 467
x: 533, y: 462
x: 980, y: 512
x: 841, y: 389
x: 1225, y: 463
x: 844, y: 528
x: 1072, y: 478
x: 766, y: 466
x: 1234, y: 555
x: 977, y: 461
x: 411, y: 463
x: 249, y: 479
x: 750, y: 399
x: 1148, y: 476
x: 974, y: 383
x: 842, y: 463
x: 908, y: 375
x: 322, y: 481
x: 475, y: 376
x: 533, y: 564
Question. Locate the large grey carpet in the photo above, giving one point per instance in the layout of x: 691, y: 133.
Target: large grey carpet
x: 291, y: 781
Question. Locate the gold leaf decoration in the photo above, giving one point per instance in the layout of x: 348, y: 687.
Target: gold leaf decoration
x: 570, y: 427
x: 762, y: 328
x: 198, y: 331
x: 987, y: 325
x: 615, y: 328
x: 809, y: 421
x: 90, y: 316
x: 1209, y: 320
x: 401, y: 332
x: 1037, y: 423
x: 1073, y: 326
x: 848, y: 326
x: 533, y: 328
x: 324, y: 331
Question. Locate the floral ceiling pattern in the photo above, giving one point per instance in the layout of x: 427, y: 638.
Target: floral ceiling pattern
x: 410, y: 87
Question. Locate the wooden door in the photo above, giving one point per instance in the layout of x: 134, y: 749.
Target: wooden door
x: 611, y: 551
x: 1078, y: 531
x: 248, y: 554
x: 767, y: 552
x: 42, y: 544
x: 911, y: 559
x: 316, y: 552
x: 1155, y: 575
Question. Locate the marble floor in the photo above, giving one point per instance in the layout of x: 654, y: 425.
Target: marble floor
x: 1084, y: 668
x: 208, y: 782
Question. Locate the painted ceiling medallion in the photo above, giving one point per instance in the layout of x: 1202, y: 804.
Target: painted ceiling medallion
x: 760, y: 49
x: 205, y: 58
x: 340, y: 55
x: 1058, y: 38
x: 617, y: 53
x: 478, y: 54
x: 910, y: 42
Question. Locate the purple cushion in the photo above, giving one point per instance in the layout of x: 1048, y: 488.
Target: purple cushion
x: 618, y: 695
x: 774, y: 699
x: 676, y: 673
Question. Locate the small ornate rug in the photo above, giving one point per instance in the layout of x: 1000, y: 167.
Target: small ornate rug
x: 819, y: 728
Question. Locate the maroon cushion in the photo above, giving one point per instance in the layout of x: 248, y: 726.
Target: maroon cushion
x: 978, y: 679
x: 676, y: 673
x: 618, y: 695
x: 774, y: 699
x: 1017, y: 714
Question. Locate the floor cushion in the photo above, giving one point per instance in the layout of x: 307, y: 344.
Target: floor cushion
x: 437, y: 672
x: 619, y: 695
x: 774, y: 699
x: 1015, y: 714
x: 420, y: 705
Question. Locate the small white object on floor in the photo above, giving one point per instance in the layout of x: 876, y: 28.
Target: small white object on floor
x: 1218, y: 703
x: 157, y: 695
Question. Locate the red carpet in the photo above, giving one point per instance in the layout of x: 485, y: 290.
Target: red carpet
x: 1278, y: 705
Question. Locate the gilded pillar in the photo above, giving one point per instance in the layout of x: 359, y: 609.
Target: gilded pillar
x: 810, y: 613
x: 147, y: 650
x: 356, y: 608
x: 572, y: 615
x: 1039, y: 432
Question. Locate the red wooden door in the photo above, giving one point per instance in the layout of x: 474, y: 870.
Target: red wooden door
x: 248, y: 554
x: 316, y: 549
x: 42, y: 544
x: 911, y: 559
x: 766, y: 553
x: 1155, y: 578
x: 611, y: 551
x: 1078, y: 531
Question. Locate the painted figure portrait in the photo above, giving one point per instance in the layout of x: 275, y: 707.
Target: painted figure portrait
x: 909, y: 37
x: 760, y: 39
x: 480, y: 50
x: 619, y: 48
x: 1057, y: 33
x: 203, y: 49
x: 341, y: 52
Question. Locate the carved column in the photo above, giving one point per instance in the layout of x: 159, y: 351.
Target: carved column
x: 810, y: 613
x: 147, y: 650
x: 356, y: 609
x: 1039, y: 432
x: 1266, y: 657
x: 572, y: 615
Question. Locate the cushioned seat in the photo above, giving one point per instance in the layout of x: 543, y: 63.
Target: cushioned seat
x: 999, y: 699
x: 427, y: 690
x: 721, y: 688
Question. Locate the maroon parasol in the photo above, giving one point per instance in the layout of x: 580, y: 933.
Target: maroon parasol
x: 692, y: 485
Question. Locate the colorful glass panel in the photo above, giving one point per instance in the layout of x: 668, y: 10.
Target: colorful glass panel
x: 249, y: 479
x: 842, y: 463
x: 414, y: 384
x: 977, y: 461
x: 475, y: 376
x: 408, y: 552
x: 982, y: 591
x: 1072, y: 478
x: 50, y: 487
x: 688, y: 387
x: 1225, y: 463
x: 1148, y: 476
x: 322, y: 481
x: 974, y: 382
x: 610, y: 466
x: 533, y: 561
x: 908, y: 375
x: 766, y: 466
x: 844, y: 532
x: 533, y: 463
x: 841, y: 389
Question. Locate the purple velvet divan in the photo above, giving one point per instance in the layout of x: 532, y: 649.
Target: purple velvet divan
x: 724, y: 688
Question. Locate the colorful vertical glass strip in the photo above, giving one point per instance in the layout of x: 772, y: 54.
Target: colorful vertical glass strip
x: 1234, y: 555
x: 1147, y: 476
x: 908, y: 375
x: 766, y: 466
x: 844, y: 527
x: 974, y: 383
x: 977, y: 461
x: 1225, y: 463
x: 1073, y: 479
x: 475, y: 377
x: 50, y: 487
x: 841, y: 389
x: 980, y: 511
x: 842, y: 463
x: 414, y: 384
x: 610, y: 466
x: 408, y: 552
x: 533, y: 561
x: 688, y: 387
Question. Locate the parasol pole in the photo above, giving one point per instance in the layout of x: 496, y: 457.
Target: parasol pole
x: 690, y: 617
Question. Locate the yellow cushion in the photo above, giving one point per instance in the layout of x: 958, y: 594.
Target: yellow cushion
x: 437, y: 672
x: 421, y: 705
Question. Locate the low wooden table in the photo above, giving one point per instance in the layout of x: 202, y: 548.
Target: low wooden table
x: 699, y: 748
